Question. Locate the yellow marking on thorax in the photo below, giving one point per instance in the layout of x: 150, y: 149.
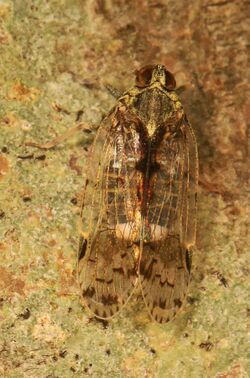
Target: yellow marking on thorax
x: 151, y: 127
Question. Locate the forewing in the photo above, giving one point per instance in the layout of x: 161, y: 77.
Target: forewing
x: 166, y: 260
x: 107, y: 266
x: 189, y: 186
x: 107, y: 274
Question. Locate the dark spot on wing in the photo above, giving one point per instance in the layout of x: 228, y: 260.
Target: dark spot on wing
x: 100, y: 279
x: 162, y: 304
x: 118, y: 270
x: 148, y: 272
x: 89, y: 292
x: 109, y: 299
x: 188, y: 261
x: 82, y: 248
x: 162, y: 283
x: 178, y: 302
x: 170, y: 284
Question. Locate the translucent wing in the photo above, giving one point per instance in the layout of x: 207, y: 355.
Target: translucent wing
x: 166, y: 260
x: 108, y: 265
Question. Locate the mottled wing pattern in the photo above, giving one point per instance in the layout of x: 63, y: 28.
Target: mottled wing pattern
x: 107, y: 267
x: 107, y: 274
x: 166, y: 261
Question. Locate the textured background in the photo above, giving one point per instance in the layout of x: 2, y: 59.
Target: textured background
x: 55, y: 57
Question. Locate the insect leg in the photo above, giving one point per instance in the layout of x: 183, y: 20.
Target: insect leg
x: 59, y: 139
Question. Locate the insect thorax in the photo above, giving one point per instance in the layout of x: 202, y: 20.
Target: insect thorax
x: 155, y: 107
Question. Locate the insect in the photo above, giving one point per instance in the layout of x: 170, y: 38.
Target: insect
x: 139, y: 208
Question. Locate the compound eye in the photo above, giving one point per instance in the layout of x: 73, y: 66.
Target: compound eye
x: 143, y: 76
x: 170, y: 82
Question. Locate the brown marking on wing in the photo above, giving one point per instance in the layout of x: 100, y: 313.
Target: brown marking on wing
x: 107, y: 275
x: 164, y: 279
